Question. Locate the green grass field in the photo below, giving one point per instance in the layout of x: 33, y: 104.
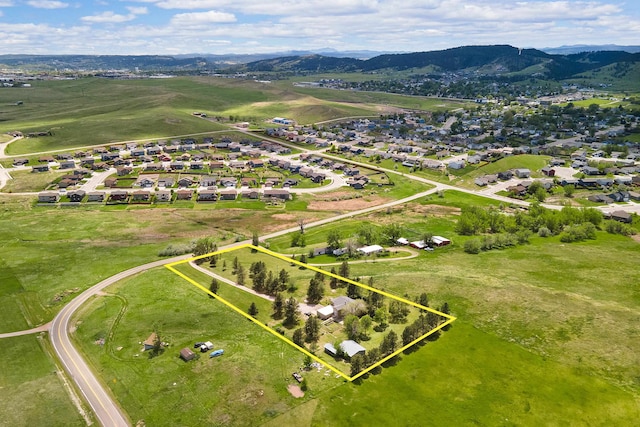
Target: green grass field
x: 31, y: 392
x: 245, y: 386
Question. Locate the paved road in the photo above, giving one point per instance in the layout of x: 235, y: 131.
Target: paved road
x: 104, y: 406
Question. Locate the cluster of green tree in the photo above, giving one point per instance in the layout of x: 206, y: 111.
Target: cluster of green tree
x: 508, y: 230
x: 285, y: 309
x: 315, y: 291
x: 265, y: 281
x: 310, y: 333
x: 423, y: 324
x: 617, y: 227
x: 388, y: 346
x: 204, y: 246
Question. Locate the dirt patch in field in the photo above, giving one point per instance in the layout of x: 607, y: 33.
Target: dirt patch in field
x: 295, y: 391
x: 636, y: 238
x: 346, y: 205
x: 435, y: 210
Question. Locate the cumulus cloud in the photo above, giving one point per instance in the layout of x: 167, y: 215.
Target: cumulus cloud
x: 47, y: 4
x: 202, y: 18
x: 108, y: 17
x: 138, y: 10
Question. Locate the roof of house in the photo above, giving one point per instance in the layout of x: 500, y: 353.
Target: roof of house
x: 340, y: 302
x: 351, y: 348
x: 326, y: 311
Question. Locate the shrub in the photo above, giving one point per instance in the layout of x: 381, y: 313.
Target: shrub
x: 472, y: 246
x: 544, y: 232
x: 175, y: 250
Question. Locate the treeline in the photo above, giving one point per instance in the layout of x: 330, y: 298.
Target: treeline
x: 500, y: 230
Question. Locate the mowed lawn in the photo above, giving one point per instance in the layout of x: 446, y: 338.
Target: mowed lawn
x: 31, y: 392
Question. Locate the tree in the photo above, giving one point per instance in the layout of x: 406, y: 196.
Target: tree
x: 301, y: 223
x: 398, y: 311
x: 298, y: 239
x: 367, y: 234
x: 353, y: 291
x: 298, y: 337
x: 312, y: 329
x: 352, y: 327
x: 392, y: 233
x: 423, y: 300
x: 315, y: 292
x: 569, y: 189
x: 157, y: 348
x: 303, y: 259
x: 333, y: 282
x: 214, y: 286
x: 283, y: 278
x: 344, y: 269
x: 253, y: 309
x: 290, y: 312
x: 381, y: 315
x: 236, y: 264
x: 278, y: 307
x: 365, y: 323
x: 241, y: 275
x: 389, y: 343
x: 333, y: 239
x: 255, y: 239
x: 357, y: 363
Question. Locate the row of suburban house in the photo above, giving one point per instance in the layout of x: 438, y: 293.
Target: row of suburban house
x: 145, y: 196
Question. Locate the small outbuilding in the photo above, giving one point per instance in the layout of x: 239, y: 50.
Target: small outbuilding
x: 368, y: 250
x: 440, y: 241
x: 325, y: 313
x: 186, y: 354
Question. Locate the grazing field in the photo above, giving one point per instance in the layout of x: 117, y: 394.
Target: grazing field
x: 245, y: 386
x: 25, y: 181
x: 63, y: 251
x: 94, y: 111
x: 31, y: 392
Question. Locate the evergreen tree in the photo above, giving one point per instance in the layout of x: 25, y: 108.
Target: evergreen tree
x: 253, y: 309
x: 278, y: 307
x: 357, y: 363
x: 333, y: 283
x: 298, y: 337
x: 214, y: 286
x: 315, y: 292
x: 291, y: 312
x: 312, y: 329
x: 241, y: 275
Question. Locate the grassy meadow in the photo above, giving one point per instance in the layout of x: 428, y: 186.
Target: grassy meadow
x: 31, y: 391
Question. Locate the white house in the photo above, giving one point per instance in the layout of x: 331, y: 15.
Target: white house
x: 368, y: 250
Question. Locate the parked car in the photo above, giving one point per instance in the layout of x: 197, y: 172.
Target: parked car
x: 198, y: 345
x: 297, y: 376
x: 216, y: 353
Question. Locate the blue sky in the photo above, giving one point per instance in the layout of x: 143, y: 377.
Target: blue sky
x: 251, y: 26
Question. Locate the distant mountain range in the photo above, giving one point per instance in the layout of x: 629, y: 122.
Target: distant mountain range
x: 500, y: 59
x: 487, y: 60
x: 580, y: 48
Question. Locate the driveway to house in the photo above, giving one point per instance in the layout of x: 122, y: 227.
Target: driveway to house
x: 41, y: 328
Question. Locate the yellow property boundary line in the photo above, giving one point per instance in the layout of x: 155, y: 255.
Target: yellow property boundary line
x: 449, y: 318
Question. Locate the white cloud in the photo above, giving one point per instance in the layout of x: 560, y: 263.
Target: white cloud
x: 4, y: 3
x: 47, y: 4
x: 202, y: 18
x: 108, y: 17
x: 138, y: 10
